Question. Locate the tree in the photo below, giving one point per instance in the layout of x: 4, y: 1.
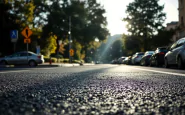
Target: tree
x: 131, y: 44
x: 163, y: 38
x: 86, y: 20
x: 51, y: 45
x: 145, y: 18
x: 7, y: 23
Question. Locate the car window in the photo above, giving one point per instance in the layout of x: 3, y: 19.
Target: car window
x: 23, y: 54
x: 173, y: 46
x: 162, y: 49
x: 180, y: 42
x: 29, y: 54
x: 141, y: 54
x: 15, y: 55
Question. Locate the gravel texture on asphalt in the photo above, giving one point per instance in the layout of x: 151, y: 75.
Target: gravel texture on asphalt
x: 92, y: 92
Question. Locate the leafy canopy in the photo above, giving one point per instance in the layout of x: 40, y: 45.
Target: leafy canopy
x: 145, y: 18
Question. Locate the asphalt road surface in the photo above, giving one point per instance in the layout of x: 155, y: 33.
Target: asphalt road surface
x: 99, y: 89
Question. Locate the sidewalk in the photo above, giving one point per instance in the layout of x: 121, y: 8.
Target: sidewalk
x: 47, y: 65
x: 58, y: 65
x: 64, y: 64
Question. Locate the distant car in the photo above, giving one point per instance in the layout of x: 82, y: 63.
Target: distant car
x: 120, y: 60
x: 22, y: 58
x: 145, y: 60
x: 127, y: 60
x: 115, y: 61
x: 176, y: 54
x: 136, y: 58
x: 124, y: 60
x: 157, y: 59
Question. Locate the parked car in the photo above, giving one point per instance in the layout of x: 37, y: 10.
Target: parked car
x: 157, y: 59
x: 22, y: 58
x: 120, y: 60
x: 124, y: 60
x: 145, y: 60
x: 176, y: 54
x: 128, y: 60
x: 136, y: 58
x: 115, y: 61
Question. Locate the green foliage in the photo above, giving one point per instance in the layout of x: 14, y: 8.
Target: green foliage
x: 145, y: 18
x: 50, y: 18
x: 78, y: 49
x: 131, y: 44
x: 47, y: 60
x: 50, y: 45
x: 163, y: 38
x: 87, y: 23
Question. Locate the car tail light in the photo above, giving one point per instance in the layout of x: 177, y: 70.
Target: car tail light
x: 39, y: 56
x: 148, y: 56
x: 161, y: 53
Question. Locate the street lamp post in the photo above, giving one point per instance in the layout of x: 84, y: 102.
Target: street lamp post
x: 69, y: 38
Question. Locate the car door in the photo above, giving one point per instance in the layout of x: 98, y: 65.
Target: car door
x: 170, y: 54
x: 13, y: 59
x: 23, y: 58
x: 176, y: 50
x: 133, y: 58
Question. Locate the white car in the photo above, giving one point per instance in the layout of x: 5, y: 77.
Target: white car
x: 22, y: 58
x: 136, y: 58
x: 176, y: 54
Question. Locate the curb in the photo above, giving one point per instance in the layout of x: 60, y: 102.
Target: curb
x: 6, y: 66
x: 48, y: 65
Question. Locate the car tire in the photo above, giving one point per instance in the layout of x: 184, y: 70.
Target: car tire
x: 32, y: 63
x: 141, y: 63
x: 180, y: 63
x: 150, y: 64
x: 156, y: 63
x: 166, y: 65
x: 3, y: 62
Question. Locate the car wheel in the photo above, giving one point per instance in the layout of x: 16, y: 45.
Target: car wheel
x: 180, y: 63
x: 3, y: 62
x: 166, y: 65
x: 32, y: 63
x: 145, y: 63
x: 156, y: 63
x: 141, y: 63
x: 150, y: 64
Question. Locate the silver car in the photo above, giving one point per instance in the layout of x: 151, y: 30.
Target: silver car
x: 22, y: 58
x: 176, y: 54
x: 136, y: 58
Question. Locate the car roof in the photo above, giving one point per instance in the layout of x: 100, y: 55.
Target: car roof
x: 26, y: 52
x: 161, y: 48
x: 140, y: 53
x: 149, y: 51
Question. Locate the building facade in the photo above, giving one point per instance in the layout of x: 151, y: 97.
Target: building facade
x: 181, y: 18
x: 173, y: 26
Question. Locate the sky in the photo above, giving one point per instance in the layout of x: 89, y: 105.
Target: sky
x: 115, y: 12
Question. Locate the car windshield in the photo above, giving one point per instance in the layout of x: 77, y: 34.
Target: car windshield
x: 140, y: 54
x: 92, y: 57
x: 163, y: 49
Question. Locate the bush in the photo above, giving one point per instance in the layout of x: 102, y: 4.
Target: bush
x: 56, y: 55
x: 65, y: 60
x: 47, y: 60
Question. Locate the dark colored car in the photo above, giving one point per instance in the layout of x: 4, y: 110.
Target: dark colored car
x: 157, y: 59
x: 145, y: 60
x: 176, y: 54
x: 136, y: 58
x: 128, y: 60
